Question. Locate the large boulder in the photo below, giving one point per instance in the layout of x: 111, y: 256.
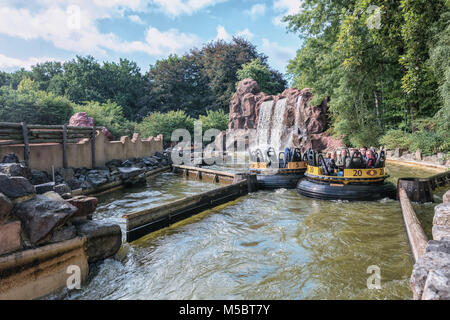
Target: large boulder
x: 437, y: 286
x: 10, y: 239
x: 63, y: 234
x: 15, y: 170
x: 85, y: 205
x: 39, y: 177
x: 5, y: 208
x: 81, y: 119
x: 10, y: 158
x: 433, y: 260
x: 97, y: 177
x: 15, y: 187
x: 442, y: 215
x: 446, y: 197
x: 130, y: 172
x: 42, y: 215
x: 103, y: 239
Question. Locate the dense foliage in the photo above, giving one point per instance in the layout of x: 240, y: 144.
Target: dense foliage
x: 384, y: 64
x: 267, y: 79
x: 31, y: 105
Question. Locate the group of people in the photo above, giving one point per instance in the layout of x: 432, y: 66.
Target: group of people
x: 355, y: 159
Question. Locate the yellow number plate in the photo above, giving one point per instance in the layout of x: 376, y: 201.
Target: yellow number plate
x: 258, y: 165
x: 315, y: 170
x: 364, y: 173
x: 296, y: 165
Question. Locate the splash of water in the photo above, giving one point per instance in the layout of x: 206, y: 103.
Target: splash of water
x: 277, y: 125
x: 264, y: 124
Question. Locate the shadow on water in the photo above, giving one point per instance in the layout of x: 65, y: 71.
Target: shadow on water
x: 266, y: 245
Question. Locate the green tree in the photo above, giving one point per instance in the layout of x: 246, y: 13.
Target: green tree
x: 33, y: 106
x: 214, y: 120
x: 266, y: 78
x: 165, y: 123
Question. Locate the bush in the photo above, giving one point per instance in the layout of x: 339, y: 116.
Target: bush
x: 109, y: 115
x: 165, y: 123
x: 396, y: 139
x: 30, y: 105
x: 214, y: 120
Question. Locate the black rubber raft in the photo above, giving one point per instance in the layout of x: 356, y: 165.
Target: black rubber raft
x: 350, y: 192
x: 275, y: 181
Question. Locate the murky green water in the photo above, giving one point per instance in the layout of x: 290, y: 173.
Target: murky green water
x: 267, y: 245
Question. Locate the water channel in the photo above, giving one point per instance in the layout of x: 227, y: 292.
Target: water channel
x: 266, y: 245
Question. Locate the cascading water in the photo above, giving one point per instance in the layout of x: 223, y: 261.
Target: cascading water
x: 277, y: 125
x: 264, y: 124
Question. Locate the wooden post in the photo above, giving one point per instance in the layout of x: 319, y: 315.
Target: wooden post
x: 417, y: 238
x: 64, y: 146
x: 26, y: 151
x: 93, y: 146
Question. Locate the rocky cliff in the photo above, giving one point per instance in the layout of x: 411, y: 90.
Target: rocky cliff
x: 289, y: 118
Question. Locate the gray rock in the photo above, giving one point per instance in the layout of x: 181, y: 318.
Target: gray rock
x: 43, y: 214
x: 429, y: 261
x: 129, y: 172
x: 114, y: 162
x: 136, y: 181
x: 10, y: 158
x: 418, y: 155
x: 15, y: 170
x: 126, y: 163
x: 62, y: 189
x: 15, y: 187
x: 437, y: 286
x: 438, y: 246
x: 103, y: 239
x: 74, y: 183
x: 63, y: 234
x: 440, y: 232
x: 442, y: 215
x: 446, y: 197
x: 5, y: 208
x: 44, y: 187
x: 39, y: 177
x: 96, y: 178
x: 150, y: 162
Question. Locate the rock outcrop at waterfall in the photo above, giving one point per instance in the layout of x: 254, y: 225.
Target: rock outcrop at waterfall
x: 289, y: 118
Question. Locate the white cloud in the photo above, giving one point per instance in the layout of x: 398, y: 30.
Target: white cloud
x: 55, y: 25
x: 136, y: 19
x: 258, y: 9
x: 246, y: 33
x: 279, y: 56
x: 222, y: 34
x: 287, y: 8
x: 175, y: 8
x: 14, y: 63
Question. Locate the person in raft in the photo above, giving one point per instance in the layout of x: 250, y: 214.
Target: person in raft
x: 370, y: 159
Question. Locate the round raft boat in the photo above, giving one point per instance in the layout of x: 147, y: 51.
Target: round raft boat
x: 354, y: 184
x: 273, y: 172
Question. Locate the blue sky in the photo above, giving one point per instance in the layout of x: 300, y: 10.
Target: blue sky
x: 140, y: 30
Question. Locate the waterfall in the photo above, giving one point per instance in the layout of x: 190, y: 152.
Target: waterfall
x: 277, y: 125
x: 263, y: 129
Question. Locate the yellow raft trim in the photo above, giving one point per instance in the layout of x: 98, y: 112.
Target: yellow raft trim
x: 291, y: 165
x: 350, y: 175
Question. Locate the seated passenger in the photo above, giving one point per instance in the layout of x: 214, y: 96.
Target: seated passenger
x: 287, y: 157
x: 331, y: 162
x: 370, y: 159
x: 364, y: 153
x: 357, y: 161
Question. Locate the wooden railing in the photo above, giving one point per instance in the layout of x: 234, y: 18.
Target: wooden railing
x: 22, y: 133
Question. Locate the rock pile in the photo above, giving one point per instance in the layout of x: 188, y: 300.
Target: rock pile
x: 430, y: 279
x: 72, y: 180
x: 35, y: 215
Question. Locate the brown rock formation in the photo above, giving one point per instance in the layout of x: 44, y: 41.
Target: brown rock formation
x: 303, y: 125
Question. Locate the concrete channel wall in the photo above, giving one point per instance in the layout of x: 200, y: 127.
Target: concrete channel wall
x: 139, y: 224
x: 44, y: 156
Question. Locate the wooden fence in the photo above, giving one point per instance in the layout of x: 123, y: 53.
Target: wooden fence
x: 22, y: 133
